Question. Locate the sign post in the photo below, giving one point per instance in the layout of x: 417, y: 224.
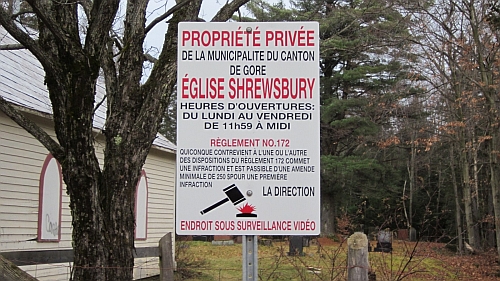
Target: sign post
x: 250, y: 258
x: 248, y: 130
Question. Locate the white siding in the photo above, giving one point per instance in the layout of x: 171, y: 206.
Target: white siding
x: 21, y: 161
x: 49, y: 272
x: 145, y: 267
x: 20, y: 166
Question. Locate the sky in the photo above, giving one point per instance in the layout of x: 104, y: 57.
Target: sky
x: 158, y: 7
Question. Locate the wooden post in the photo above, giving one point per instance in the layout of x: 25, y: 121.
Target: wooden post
x: 10, y: 272
x: 357, y: 257
x: 166, y: 258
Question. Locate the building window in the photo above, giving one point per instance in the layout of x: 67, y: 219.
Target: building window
x: 141, y: 207
x: 49, y: 204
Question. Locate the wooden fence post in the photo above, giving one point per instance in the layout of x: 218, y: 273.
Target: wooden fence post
x: 166, y: 258
x: 357, y: 257
x: 10, y: 272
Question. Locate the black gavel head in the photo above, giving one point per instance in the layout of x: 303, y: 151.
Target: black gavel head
x: 234, y: 194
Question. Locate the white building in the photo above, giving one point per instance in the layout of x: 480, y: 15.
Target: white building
x: 35, y: 220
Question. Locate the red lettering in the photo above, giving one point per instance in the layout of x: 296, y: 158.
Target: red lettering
x: 258, y: 88
x: 185, y: 37
x: 249, y: 88
x: 256, y: 38
x: 206, y: 38
x: 242, y: 38
x: 196, y: 225
x: 310, y: 83
x: 277, y: 87
x: 301, y: 88
x: 278, y: 38
x: 226, y: 38
x: 220, y: 88
x: 267, y: 87
x: 307, y: 225
x: 216, y: 36
x: 281, y: 38
x: 301, y: 35
x: 213, y: 88
x: 184, y: 87
x: 293, y: 37
x: 285, y: 90
x: 193, y: 88
x: 239, y: 38
x: 310, y: 38
x: 195, y: 38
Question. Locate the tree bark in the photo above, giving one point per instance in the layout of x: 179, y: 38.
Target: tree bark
x: 412, y: 168
x: 486, y: 71
x: 466, y: 184
x: 327, y: 215
x: 101, y: 200
x: 458, y: 209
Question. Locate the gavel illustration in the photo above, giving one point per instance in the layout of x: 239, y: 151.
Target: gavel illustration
x: 232, y: 193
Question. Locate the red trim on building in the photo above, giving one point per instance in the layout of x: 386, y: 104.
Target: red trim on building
x: 145, y: 178
x: 40, y: 199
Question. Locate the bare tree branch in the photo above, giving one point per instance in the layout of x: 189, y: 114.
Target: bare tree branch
x: 150, y: 58
x: 24, y: 39
x: 21, y: 13
x: 227, y: 11
x: 51, y: 24
x: 52, y: 146
x: 12, y: 47
x: 100, y: 21
x: 166, y: 14
x: 87, y: 7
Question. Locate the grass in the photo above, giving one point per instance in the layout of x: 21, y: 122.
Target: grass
x: 408, y: 261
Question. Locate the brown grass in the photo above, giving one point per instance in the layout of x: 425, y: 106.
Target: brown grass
x: 326, y: 260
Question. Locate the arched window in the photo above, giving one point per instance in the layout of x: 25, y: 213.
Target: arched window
x: 141, y: 208
x: 49, y: 201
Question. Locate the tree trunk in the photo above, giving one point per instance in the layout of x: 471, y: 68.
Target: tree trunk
x: 101, y: 201
x: 327, y: 215
x: 466, y: 183
x: 495, y: 193
x: 83, y: 178
x: 475, y: 190
x: 411, y: 168
x: 458, y: 210
x: 486, y: 70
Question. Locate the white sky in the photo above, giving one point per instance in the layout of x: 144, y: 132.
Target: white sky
x: 158, y: 7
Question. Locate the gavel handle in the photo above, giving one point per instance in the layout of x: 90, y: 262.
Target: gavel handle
x: 214, y: 206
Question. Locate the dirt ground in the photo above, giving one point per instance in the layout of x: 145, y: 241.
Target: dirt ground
x: 480, y: 266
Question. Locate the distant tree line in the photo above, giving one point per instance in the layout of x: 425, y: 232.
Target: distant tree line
x: 409, y: 114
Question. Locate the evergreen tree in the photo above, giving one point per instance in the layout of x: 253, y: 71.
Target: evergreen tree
x: 363, y: 68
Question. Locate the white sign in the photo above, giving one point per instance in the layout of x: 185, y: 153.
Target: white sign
x: 248, y: 129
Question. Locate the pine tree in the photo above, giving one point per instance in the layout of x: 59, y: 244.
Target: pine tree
x: 363, y: 68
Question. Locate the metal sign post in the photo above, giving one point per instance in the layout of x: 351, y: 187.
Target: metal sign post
x: 250, y: 258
